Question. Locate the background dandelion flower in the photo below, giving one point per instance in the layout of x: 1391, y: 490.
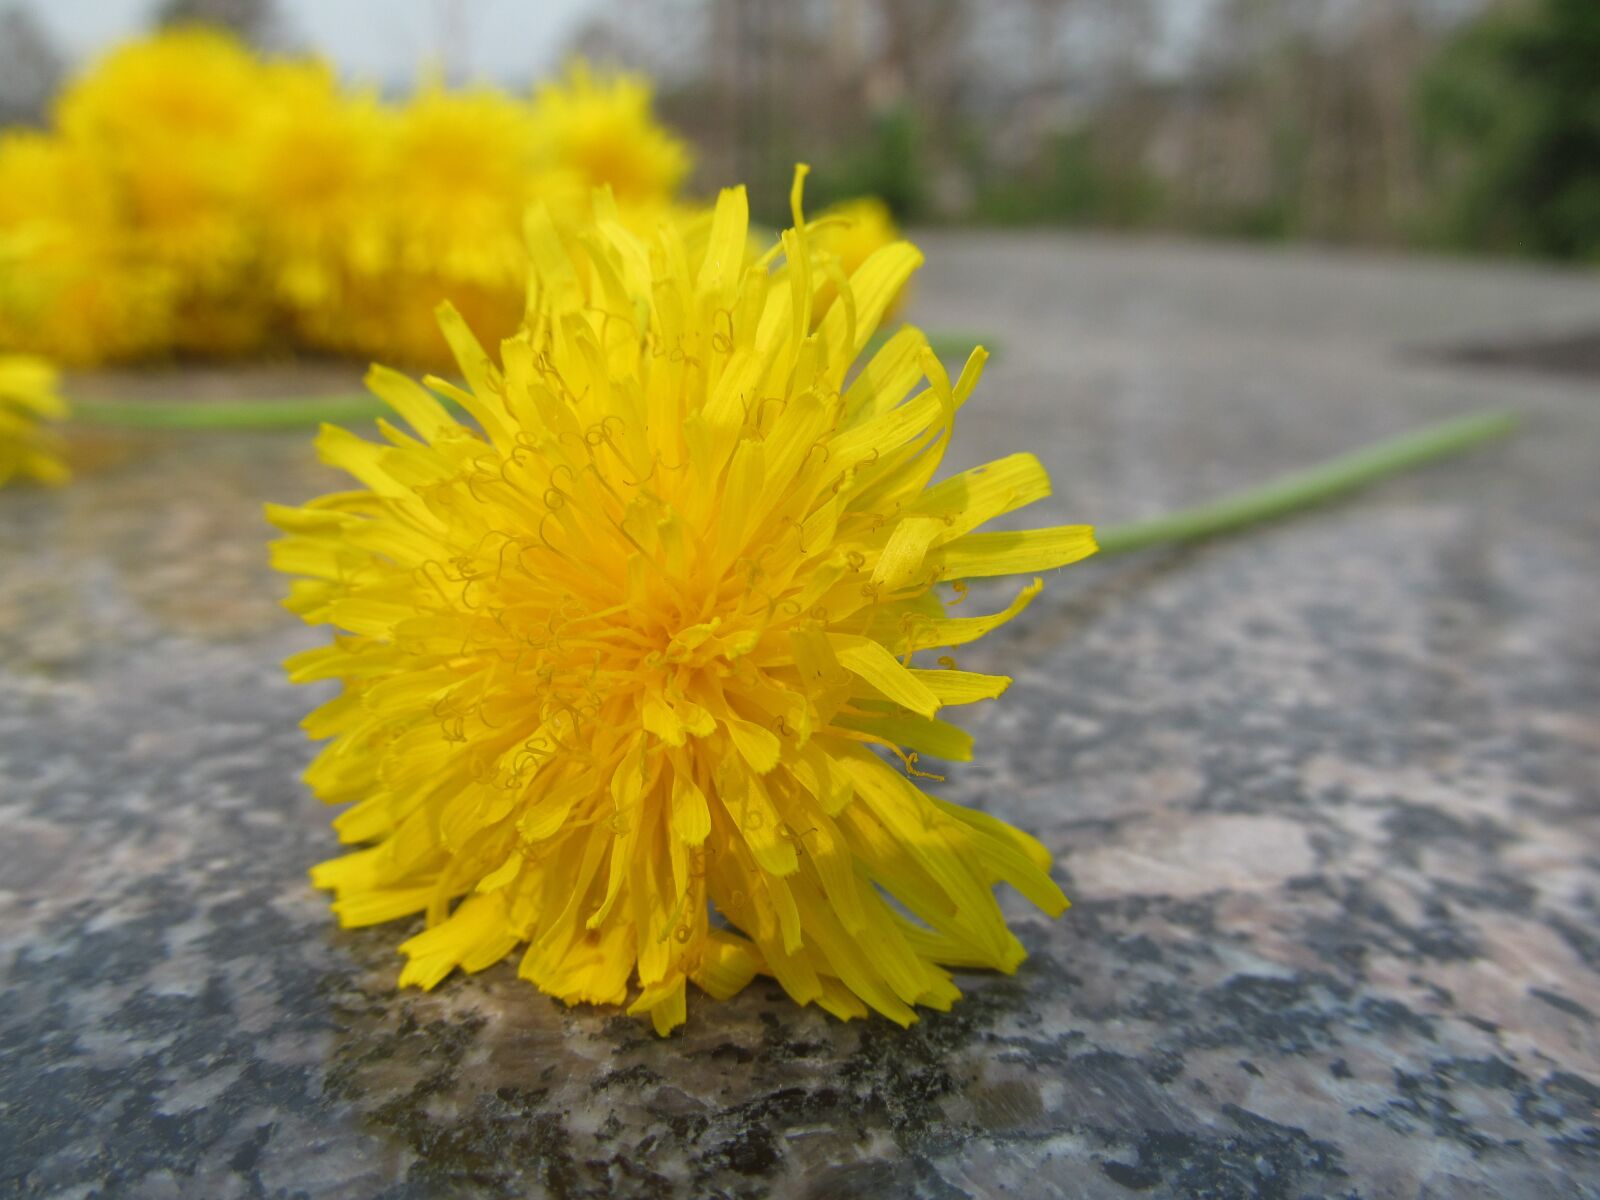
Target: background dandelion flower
x: 621, y: 660
x: 194, y: 196
x: 319, y: 188
x: 438, y: 214
x: 400, y: 207
x: 29, y: 449
x: 602, y: 131
x: 853, y: 231
x: 176, y: 122
x: 72, y: 286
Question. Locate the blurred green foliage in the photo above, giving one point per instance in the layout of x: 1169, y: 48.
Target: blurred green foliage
x: 1075, y: 181
x: 1510, y: 114
x: 888, y: 162
x: 1495, y: 148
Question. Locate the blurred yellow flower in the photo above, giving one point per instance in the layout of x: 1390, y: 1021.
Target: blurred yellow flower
x: 319, y: 171
x: 602, y: 131
x: 849, y: 233
x: 440, y: 215
x: 194, y: 197
x: 615, y: 660
x: 175, y: 120
x: 442, y: 219
x: 71, y: 286
x: 28, y: 449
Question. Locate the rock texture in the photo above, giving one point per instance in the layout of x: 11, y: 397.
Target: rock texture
x: 1327, y: 796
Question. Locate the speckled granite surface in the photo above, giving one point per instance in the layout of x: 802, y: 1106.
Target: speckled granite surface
x: 1327, y: 796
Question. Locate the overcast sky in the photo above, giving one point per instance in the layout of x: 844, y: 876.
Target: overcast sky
x: 507, y: 41
x: 385, y: 41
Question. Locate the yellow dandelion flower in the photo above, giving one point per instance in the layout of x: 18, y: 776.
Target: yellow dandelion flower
x: 602, y: 130
x: 443, y: 220
x: 442, y: 214
x: 852, y: 232
x: 70, y: 288
x: 175, y: 119
x: 623, y: 666
x: 464, y: 159
x: 318, y: 174
x: 28, y: 449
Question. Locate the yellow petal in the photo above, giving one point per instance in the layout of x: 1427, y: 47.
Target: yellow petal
x: 981, y: 554
x: 868, y: 660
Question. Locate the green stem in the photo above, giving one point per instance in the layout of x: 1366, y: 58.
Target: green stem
x: 232, y: 414
x: 1304, y: 488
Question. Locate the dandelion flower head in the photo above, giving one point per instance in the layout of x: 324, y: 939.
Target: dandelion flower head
x: 427, y: 200
x: 319, y: 182
x: 28, y: 448
x: 176, y: 122
x: 173, y: 115
x: 71, y: 287
x: 627, y: 664
x: 602, y: 131
x: 852, y: 231
x: 437, y: 192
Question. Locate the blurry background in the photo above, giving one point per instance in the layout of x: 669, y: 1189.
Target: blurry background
x: 1467, y: 125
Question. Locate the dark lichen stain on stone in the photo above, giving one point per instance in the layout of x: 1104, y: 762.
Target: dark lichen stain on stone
x: 1558, y: 1001
x: 634, y: 1077
x: 1289, y: 1015
x: 1424, y: 1100
x: 888, y: 1181
x: 1263, y: 1160
x: 751, y: 1151
x: 1131, y: 1175
x: 1413, y: 828
x: 1005, y: 1105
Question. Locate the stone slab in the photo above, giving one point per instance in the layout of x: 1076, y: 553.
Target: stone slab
x: 1326, y: 796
